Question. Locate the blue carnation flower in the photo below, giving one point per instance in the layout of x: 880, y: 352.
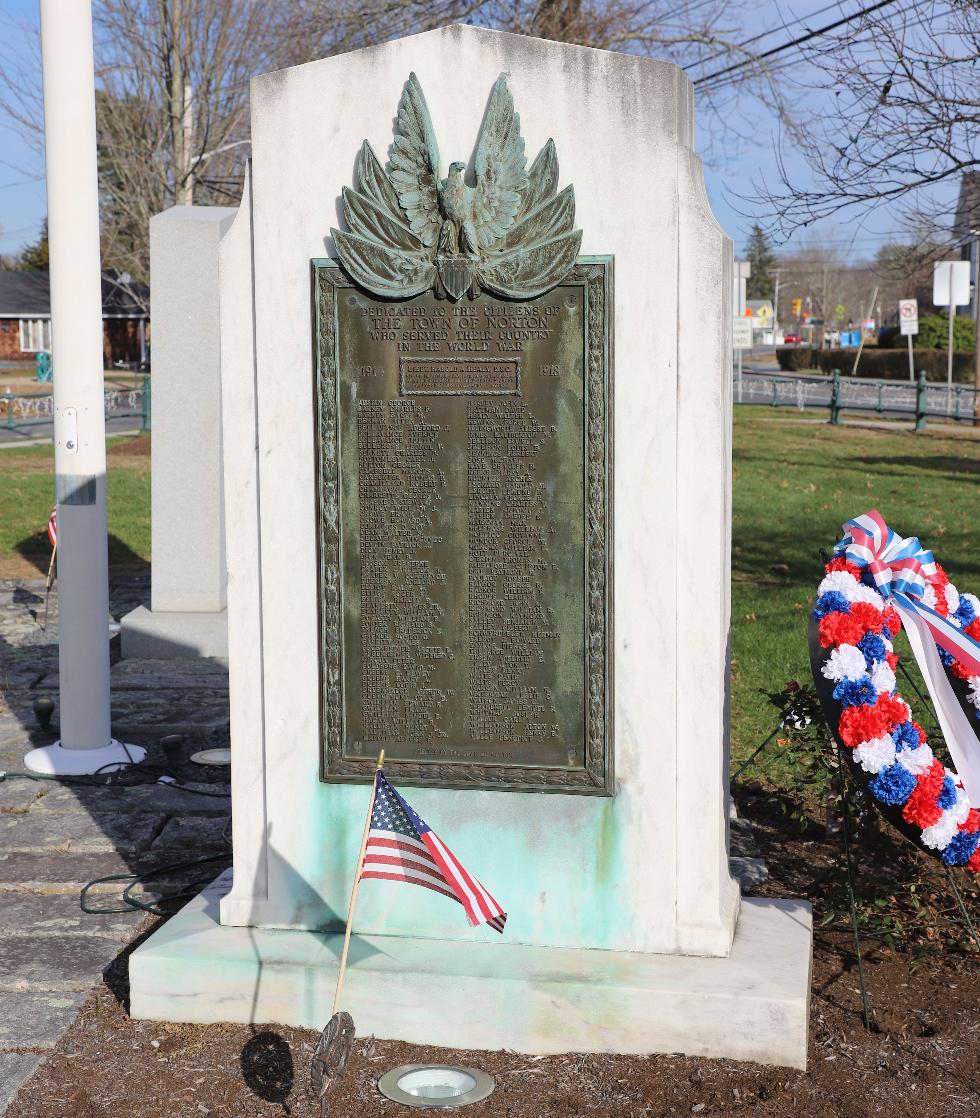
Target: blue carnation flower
x: 856, y: 692
x: 873, y: 647
x: 893, y: 785
x: 947, y: 797
x: 905, y: 736
x: 947, y: 657
x: 887, y: 633
x: 830, y: 602
x: 965, y: 612
x: 961, y: 848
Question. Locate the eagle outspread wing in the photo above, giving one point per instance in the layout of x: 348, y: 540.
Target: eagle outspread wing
x: 500, y: 166
x: 413, y: 163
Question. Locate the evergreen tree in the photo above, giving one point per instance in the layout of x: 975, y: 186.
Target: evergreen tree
x: 759, y: 253
x: 35, y: 256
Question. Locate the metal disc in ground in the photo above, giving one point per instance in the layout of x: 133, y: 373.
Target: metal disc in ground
x: 440, y: 1086
x: 212, y: 757
x: 331, y: 1054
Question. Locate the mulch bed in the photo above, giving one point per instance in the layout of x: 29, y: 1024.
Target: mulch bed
x: 921, y: 1059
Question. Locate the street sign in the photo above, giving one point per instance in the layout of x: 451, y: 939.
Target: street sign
x: 839, y: 310
x: 742, y: 333
x: 908, y: 316
x: 951, y: 283
x: 764, y: 314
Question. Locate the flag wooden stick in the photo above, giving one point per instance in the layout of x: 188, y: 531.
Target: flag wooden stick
x: 357, y: 882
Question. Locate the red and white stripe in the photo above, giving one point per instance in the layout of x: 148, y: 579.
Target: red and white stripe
x: 53, y: 527
x: 391, y: 856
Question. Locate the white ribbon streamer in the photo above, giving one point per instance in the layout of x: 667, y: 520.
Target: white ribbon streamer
x: 956, y: 728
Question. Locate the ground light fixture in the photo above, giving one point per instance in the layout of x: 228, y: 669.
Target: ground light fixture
x: 438, y: 1086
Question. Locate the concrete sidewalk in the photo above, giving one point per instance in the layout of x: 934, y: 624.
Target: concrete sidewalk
x: 55, y: 837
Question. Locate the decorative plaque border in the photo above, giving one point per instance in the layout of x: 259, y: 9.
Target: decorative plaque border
x: 595, y: 274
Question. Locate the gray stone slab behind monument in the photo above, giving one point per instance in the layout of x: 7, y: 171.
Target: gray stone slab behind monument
x: 187, y: 614
x: 752, y: 1005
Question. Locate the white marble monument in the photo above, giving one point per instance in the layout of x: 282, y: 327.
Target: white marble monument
x: 625, y: 930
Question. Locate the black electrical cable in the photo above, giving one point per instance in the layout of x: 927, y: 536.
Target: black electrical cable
x: 135, y: 879
x: 794, y: 42
x: 163, y: 778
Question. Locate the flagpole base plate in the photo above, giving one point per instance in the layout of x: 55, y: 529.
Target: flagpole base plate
x: 56, y: 760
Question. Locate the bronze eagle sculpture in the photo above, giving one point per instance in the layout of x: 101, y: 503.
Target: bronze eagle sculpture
x: 511, y: 232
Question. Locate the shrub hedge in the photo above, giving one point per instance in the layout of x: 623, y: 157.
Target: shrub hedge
x: 934, y: 333
x: 877, y: 363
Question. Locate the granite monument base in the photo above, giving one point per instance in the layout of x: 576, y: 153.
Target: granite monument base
x: 172, y: 634
x: 752, y: 1005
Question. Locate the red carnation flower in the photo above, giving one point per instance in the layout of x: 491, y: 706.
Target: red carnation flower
x: 921, y: 807
x: 893, y: 709
x: 959, y: 671
x: 892, y: 659
x: 973, y: 629
x: 889, y: 617
x: 972, y: 823
x: 862, y: 723
x: 841, y: 564
x: 869, y: 617
x: 840, y: 628
x: 974, y: 862
x: 940, y: 578
x: 922, y: 734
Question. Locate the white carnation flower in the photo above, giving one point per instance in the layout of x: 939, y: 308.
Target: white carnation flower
x: 973, y: 690
x: 883, y: 678
x: 929, y: 596
x: 952, y: 597
x: 841, y: 581
x: 876, y: 754
x: 937, y: 837
x: 888, y: 644
x: 868, y: 594
x: 845, y: 662
x: 961, y: 809
x: 916, y: 760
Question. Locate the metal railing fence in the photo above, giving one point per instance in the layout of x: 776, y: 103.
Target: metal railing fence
x: 919, y: 400
x: 21, y: 411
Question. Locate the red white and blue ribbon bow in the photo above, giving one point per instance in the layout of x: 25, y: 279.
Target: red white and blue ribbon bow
x: 900, y: 569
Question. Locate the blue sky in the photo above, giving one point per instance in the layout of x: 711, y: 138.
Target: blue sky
x: 730, y: 170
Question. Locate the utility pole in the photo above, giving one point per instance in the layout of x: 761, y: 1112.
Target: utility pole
x: 185, y: 189
x: 775, y: 308
x: 86, y: 744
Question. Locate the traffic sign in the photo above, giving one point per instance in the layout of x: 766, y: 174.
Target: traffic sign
x: 951, y: 283
x: 742, y: 333
x: 908, y: 316
x: 839, y: 310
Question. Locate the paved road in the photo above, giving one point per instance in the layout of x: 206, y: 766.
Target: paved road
x: 42, y: 433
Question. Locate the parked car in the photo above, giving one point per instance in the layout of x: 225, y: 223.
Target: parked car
x: 792, y: 339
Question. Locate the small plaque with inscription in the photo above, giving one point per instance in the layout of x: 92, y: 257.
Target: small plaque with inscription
x: 463, y: 447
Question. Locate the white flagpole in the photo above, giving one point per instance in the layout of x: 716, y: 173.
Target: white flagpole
x: 86, y: 743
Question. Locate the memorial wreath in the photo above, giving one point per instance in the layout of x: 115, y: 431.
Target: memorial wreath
x: 876, y: 584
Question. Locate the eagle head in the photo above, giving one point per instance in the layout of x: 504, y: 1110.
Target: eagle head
x: 457, y: 168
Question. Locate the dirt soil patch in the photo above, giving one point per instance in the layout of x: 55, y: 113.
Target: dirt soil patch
x: 922, y: 1060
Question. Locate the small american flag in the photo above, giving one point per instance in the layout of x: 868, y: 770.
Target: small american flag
x: 402, y: 847
x: 53, y: 526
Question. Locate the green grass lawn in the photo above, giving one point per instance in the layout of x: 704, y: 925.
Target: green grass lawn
x: 795, y: 483
x: 27, y: 493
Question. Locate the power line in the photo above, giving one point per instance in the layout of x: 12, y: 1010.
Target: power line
x: 795, y: 42
x: 784, y: 26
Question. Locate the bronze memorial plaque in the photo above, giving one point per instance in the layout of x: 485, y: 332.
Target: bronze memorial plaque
x: 464, y: 522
